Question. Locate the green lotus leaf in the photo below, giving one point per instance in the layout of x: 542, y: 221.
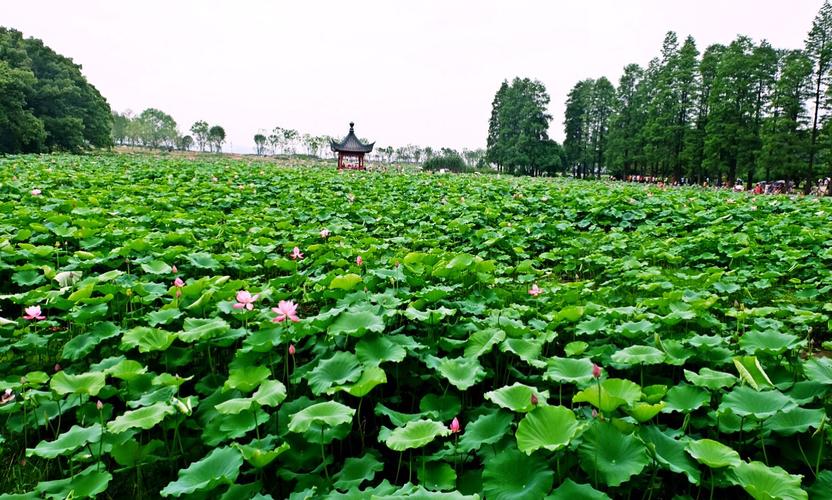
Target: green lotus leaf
x: 462, y: 373
x: 410, y: 491
x: 768, y: 342
x: 822, y: 486
x: 487, y: 429
x: 768, y: 483
x: 67, y: 442
x: 437, y: 476
x: 357, y: 471
x: 374, y: 350
x: 570, y: 314
x: 163, y: 316
x: 356, y: 323
x: 481, y: 341
x: 221, y: 466
x: 744, y: 401
x: 570, y: 490
x: 143, y: 418
x: 147, y: 339
x: 795, y: 420
x: 685, y: 398
x: 83, y: 383
x: 575, y: 371
x: 345, y: 282
x: 547, y: 427
x: 234, y: 406
x: 638, y: 355
x: 526, y: 349
x: 517, y: 397
x: 575, y: 348
x: 88, y: 483
x: 654, y: 393
x: 126, y: 369
x: 28, y: 277
x: 643, y: 412
x: 819, y: 370
x: 513, y: 475
x: 261, y: 452
x: 246, y: 378
x: 415, y: 434
x: 751, y: 372
x: 713, y: 453
x: 156, y: 267
x: 612, y: 455
x: 201, y: 329
x: 342, y: 367
x: 203, y: 260
x: 612, y: 393
x: 328, y: 413
x: 670, y: 453
x: 636, y: 329
x: 370, y: 378
x: 710, y: 379
x: 444, y: 407
x: 270, y: 393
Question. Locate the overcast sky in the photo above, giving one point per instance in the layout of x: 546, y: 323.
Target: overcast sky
x: 407, y: 72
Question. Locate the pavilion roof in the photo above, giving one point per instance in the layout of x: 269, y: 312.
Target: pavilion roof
x: 351, y: 144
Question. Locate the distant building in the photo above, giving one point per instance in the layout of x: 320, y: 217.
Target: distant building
x: 351, y: 151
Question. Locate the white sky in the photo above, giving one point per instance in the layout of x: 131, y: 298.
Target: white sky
x: 406, y: 71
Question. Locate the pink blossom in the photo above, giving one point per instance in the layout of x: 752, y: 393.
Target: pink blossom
x: 596, y: 371
x: 534, y: 400
x: 325, y: 233
x: 99, y: 405
x: 455, y: 427
x: 286, y: 309
x: 36, y: 192
x: 535, y: 291
x: 291, y: 349
x: 178, y: 283
x: 173, y: 269
x: 245, y: 300
x: 57, y: 367
x: 7, y: 396
x: 296, y: 254
x: 33, y: 312
x: 359, y: 260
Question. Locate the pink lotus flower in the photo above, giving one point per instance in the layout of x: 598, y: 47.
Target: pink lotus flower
x: 33, y: 312
x: 286, y: 309
x: 534, y: 400
x: 325, y: 233
x: 7, y: 396
x: 455, y: 427
x: 535, y: 291
x: 36, y: 192
x: 596, y: 371
x: 291, y: 349
x: 178, y: 283
x: 359, y: 260
x: 245, y: 300
x: 296, y: 254
x: 173, y: 269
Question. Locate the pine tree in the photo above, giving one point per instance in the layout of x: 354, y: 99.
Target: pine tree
x: 819, y: 51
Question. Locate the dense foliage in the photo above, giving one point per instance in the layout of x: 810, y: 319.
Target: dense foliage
x: 450, y: 161
x: 518, y: 139
x: 46, y: 103
x: 455, y: 335
x: 743, y: 110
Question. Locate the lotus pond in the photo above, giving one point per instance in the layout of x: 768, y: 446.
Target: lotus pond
x: 220, y: 328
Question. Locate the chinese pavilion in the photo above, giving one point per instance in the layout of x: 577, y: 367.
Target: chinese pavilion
x: 351, y: 151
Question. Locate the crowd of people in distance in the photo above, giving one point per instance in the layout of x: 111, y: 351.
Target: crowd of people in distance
x: 821, y: 187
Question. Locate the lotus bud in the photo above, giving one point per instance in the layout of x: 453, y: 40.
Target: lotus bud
x: 57, y: 367
x: 596, y: 371
x: 173, y: 269
x: 455, y: 427
x: 99, y: 405
x: 291, y: 349
x: 534, y: 400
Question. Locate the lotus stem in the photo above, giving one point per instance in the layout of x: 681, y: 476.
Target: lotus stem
x: 323, y: 457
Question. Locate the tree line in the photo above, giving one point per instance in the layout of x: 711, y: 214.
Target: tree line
x: 46, y: 104
x: 155, y: 129
x: 744, y: 110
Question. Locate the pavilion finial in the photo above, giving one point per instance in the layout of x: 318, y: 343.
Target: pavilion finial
x: 352, y: 124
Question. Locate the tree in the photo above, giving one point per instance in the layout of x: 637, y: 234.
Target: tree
x: 120, y: 124
x: 216, y: 136
x: 200, y: 130
x: 158, y: 128
x: 45, y: 102
x: 785, y: 143
x: 518, y: 127
x: 260, y: 143
x: 819, y: 51
x: 626, y: 122
x: 576, y: 123
x: 185, y: 142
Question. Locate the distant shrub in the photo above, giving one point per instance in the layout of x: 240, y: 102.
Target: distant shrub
x: 451, y: 162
